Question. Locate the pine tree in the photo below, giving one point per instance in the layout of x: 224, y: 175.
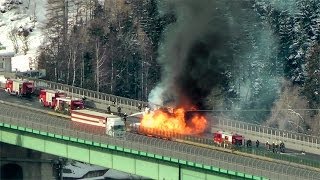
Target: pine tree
x: 311, y: 88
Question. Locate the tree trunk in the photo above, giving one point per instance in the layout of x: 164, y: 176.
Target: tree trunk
x: 28, y: 4
x: 146, y: 86
x: 97, y: 66
x: 74, y: 67
x: 69, y: 63
x: 34, y: 14
x: 65, y: 26
x: 112, y: 76
x: 82, y: 71
x: 142, y: 86
x: 56, y: 74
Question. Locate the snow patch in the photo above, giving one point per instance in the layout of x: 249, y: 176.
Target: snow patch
x: 20, y: 14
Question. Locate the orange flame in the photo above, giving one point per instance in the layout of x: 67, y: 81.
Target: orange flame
x: 174, y: 122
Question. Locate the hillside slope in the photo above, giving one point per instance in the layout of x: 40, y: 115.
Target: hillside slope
x: 23, y: 20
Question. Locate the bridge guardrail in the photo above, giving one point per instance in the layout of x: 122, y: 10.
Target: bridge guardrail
x: 238, y: 126
x: 98, y: 96
x: 154, y: 147
x: 276, y: 134
x: 165, y: 148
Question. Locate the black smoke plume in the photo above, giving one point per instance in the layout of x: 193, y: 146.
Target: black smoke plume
x: 196, y: 51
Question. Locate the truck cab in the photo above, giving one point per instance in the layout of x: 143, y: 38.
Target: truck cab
x: 48, y: 97
x: 115, y: 127
x: 66, y: 104
x: 19, y: 87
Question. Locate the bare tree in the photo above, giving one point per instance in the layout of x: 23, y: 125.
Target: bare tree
x: 13, y: 35
x: 34, y: 20
x: 28, y: 4
x: 100, y: 60
x: 57, y: 30
x: 25, y: 43
x: 23, y: 36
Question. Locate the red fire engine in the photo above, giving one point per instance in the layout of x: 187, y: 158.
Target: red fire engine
x: 66, y: 104
x: 222, y: 137
x: 48, y: 97
x: 19, y: 87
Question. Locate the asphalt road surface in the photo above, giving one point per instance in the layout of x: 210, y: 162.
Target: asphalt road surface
x: 63, y: 123
x: 212, y: 154
x: 34, y: 103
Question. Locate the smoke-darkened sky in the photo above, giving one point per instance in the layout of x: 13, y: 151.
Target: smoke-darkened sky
x: 196, y: 50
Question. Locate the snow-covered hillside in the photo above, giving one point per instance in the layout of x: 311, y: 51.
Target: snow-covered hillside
x: 24, y: 16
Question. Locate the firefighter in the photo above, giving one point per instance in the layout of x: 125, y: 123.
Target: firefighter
x: 257, y: 143
x: 109, y: 109
x: 125, y: 117
x: 119, y: 110
x: 249, y: 143
x: 268, y: 145
x: 277, y: 147
x: 273, y: 147
x: 282, y: 147
x: 139, y: 107
x: 147, y: 110
x: 84, y: 98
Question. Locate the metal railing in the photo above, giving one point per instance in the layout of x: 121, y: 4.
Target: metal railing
x: 238, y: 126
x: 97, y: 96
x: 276, y: 134
x: 161, y: 147
x: 253, y: 151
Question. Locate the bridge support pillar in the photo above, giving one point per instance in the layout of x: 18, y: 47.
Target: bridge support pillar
x: 19, y: 163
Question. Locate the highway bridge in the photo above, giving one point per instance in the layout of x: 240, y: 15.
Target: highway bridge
x: 296, y: 141
x: 54, y: 135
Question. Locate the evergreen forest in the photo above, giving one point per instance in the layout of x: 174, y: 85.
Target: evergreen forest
x: 253, y: 60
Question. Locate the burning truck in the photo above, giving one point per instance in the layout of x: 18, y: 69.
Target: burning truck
x: 181, y: 124
x: 168, y: 122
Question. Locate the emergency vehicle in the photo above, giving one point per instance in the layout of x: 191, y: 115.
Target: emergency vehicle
x: 19, y: 87
x: 223, y: 137
x: 48, y: 97
x: 66, y: 104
